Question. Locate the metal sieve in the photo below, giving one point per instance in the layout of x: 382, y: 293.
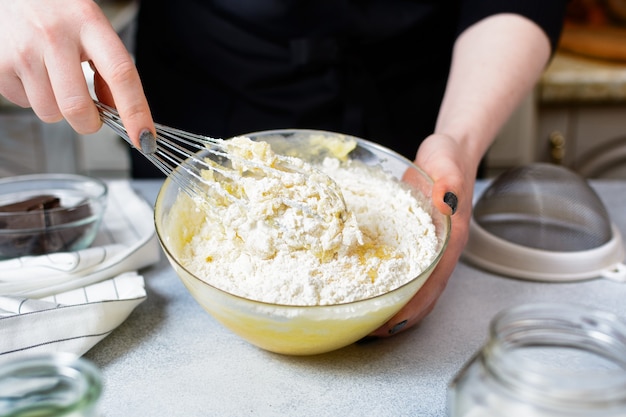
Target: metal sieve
x: 544, y: 222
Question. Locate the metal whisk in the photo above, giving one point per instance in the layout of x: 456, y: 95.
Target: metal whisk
x: 186, y: 158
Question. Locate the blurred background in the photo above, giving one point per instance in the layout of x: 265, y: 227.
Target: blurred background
x: 28, y: 145
x: 576, y: 115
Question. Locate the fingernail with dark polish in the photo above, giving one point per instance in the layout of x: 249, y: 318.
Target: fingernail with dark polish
x: 367, y: 339
x: 147, y: 141
x: 395, y: 329
x: 451, y: 200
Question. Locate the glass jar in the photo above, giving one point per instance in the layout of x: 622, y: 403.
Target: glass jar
x: 54, y: 385
x: 545, y: 360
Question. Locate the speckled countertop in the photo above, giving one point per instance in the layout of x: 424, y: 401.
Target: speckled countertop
x: 572, y: 78
x: 170, y: 358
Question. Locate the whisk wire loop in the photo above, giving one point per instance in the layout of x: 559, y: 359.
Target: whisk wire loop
x: 187, y: 158
x: 176, y: 155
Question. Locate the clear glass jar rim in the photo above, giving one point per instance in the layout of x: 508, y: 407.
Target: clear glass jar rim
x: 558, y: 326
x: 61, y: 381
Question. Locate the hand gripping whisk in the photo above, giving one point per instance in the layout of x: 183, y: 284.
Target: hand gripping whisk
x: 207, y: 168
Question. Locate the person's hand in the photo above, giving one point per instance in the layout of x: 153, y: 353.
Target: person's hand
x: 495, y: 64
x: 44, y: 43
x: 454, y: 176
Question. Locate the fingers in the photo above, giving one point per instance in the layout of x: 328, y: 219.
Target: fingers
x: 102, y: 89
x: 405, y: 319
x: 118, y: 81
x: 69, y: 88
x: 451, y: 201
x: 452, y: 192
x: 41, y: 61
x: 42, y: 68
x: 443, y: 192
x: 12, y: 89
x: 40, y: 95
x: 445, y: 197
x: 147, y: 139
x: 23, y: 77
x: 422, y: 304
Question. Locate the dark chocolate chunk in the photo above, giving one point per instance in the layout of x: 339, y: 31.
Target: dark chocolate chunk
x: 36, y: 226
x: 41, y: 202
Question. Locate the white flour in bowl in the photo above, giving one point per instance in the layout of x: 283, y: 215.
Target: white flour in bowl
x: 387, y: 240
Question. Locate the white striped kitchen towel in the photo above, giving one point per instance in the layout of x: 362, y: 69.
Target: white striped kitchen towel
x: 68, y: 302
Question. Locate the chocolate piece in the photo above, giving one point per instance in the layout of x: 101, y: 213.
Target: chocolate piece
x: 36, y: 226
x: 41, y: 202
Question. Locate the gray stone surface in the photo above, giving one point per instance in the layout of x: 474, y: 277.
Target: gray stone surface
x: 170, y: 358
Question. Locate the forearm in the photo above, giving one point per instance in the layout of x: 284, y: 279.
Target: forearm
x: 496, y: 62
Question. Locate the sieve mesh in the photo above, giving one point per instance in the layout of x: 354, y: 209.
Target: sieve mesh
x: 544, y: 206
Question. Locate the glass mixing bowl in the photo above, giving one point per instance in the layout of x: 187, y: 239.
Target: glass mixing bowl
x: 306, y: 330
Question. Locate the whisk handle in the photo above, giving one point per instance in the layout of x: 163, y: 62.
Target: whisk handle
x: 112, y: 119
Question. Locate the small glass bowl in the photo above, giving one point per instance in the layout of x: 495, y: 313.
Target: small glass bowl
x: 67, y: 219
x: 305, y: 330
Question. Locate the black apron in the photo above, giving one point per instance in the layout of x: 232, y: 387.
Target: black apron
x: 376, y: 69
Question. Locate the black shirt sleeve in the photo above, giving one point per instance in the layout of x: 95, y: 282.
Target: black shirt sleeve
x: 547, y: 14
